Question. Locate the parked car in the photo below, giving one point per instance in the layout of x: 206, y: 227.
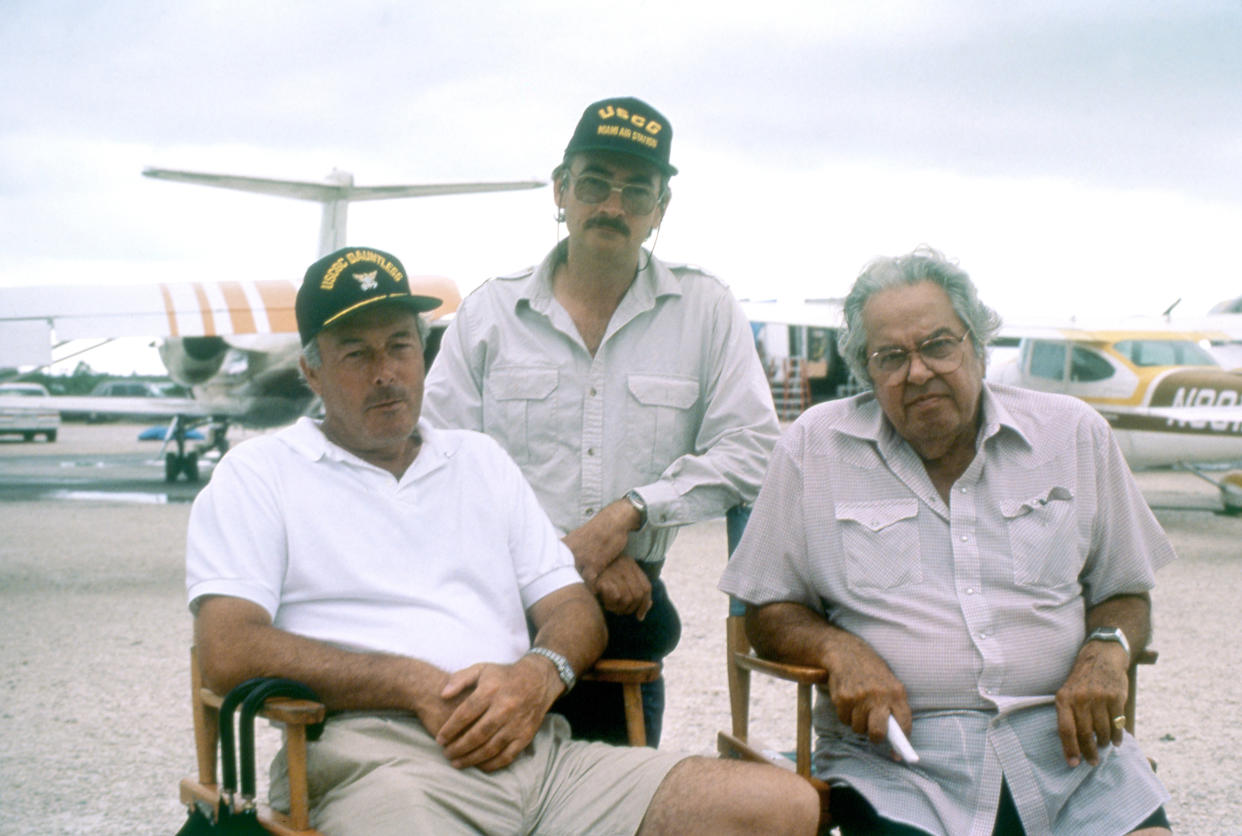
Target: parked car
x: 122, y: 389
x: 37, y: 419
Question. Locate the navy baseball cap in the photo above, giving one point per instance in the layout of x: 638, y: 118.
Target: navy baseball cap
x: 627, y: 126
x: 350, y: 279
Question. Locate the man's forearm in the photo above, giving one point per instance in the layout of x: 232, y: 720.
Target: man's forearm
x: 235, y: 645
x: 569, y: 621
x: 863, y: 689
x: 791, y: 633
x: 1132, y: 613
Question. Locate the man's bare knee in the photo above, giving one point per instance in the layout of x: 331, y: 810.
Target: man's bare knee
x: 708, y: 796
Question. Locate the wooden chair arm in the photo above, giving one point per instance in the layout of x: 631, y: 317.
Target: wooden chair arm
x: 279, y: 709
x: 623, y: 670
x: 801, y: 674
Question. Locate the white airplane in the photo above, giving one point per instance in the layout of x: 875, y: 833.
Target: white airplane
x: 1169, y: 401
x: 234, y: 344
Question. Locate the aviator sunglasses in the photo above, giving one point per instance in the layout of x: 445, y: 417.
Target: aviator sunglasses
x: 636, y: 198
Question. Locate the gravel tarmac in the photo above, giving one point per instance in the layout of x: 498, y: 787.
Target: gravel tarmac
x: 95, y: 726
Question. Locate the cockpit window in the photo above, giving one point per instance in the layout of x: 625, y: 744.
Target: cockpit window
x: 1086, y: 366
x: 1164, y: 353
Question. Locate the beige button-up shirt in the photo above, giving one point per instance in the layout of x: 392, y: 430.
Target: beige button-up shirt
x: 674, y: 403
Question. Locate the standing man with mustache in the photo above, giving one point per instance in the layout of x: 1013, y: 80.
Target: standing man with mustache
x: 628, y: 390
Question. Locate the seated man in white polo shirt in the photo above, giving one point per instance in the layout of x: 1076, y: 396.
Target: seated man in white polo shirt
x: 392, y: 568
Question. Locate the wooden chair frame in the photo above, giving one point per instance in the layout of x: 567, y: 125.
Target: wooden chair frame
x: 742, y: 661
x: 297, y: 715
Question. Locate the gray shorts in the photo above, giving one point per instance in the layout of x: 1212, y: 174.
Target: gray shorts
x: 379, y: 774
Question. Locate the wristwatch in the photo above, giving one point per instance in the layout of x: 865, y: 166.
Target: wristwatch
x: 640, y: 506
x: 563, y: 669
x: 1110, y: 634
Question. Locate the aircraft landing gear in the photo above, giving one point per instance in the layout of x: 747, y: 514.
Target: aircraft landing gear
x: 181, y: 461
x: 176, y: 464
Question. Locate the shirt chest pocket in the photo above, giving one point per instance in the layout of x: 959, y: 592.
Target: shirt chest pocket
x: 519, y: 407
x: 881, y: 543
x: 1043, y: 538
x: 660, y: 420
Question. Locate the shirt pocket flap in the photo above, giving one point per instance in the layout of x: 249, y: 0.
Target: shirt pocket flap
x: 662, y: 390
x: 522, y: 383
x: 1014, y: 508
x: 877, y: 516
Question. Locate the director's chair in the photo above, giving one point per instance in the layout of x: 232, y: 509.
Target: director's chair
x: 297, y: 715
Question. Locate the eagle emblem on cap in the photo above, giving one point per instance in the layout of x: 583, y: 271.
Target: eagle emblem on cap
x: 367, y: 280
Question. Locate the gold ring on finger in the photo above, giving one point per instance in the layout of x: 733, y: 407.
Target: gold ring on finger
x: 1119, y: 722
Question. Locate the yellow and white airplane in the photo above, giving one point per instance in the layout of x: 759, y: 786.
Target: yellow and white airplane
x: 234, y: 344
x: 1166, y: 396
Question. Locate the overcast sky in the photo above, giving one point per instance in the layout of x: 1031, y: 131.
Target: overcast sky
x: 1076, y: 156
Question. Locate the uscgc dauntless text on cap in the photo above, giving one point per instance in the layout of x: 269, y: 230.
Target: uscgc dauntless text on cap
x: 351, y: 278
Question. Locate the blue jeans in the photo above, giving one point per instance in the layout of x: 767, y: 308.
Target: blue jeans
x: 595, y: 710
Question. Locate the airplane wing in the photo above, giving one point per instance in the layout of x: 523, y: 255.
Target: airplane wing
x: 247, y: 314
x: 339, y: 186
x: 147, y: 407
x: 32, y: 318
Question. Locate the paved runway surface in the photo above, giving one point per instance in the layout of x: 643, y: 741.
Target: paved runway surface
x: 94, y: 720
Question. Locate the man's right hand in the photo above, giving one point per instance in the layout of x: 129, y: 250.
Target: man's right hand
x: 864, y: 690
x: 623, y: 588
x: 601, y: 540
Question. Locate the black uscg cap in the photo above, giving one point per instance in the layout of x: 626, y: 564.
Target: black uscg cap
x: 350, y: 279
x: 626, y: 126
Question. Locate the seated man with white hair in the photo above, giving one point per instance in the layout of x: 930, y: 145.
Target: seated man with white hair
x: 970, y: 560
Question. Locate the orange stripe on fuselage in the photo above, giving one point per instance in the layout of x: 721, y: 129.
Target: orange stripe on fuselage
x: 168, y: 309
x: 239, y: 308
x: 209, y: 319
x: 278, y: 298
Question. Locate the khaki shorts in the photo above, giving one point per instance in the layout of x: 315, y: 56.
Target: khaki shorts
x: 379, y: 774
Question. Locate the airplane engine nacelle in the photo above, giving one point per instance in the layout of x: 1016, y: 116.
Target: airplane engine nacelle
x: 193, y: 360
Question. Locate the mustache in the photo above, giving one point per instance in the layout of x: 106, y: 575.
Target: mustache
x: 609, y: 223
x: 385, y: 395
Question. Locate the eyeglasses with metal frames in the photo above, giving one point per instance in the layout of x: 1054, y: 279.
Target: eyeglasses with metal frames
x: 636, y: 198
x: 942, y: 354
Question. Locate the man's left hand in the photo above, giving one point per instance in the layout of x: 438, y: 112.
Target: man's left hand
x: 1091, y: 697
x: 624, y: 589
x: 500, y: 714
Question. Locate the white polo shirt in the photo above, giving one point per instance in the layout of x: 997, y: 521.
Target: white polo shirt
x: 439, y: 565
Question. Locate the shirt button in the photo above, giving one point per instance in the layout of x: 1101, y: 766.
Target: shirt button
x: 590, y: 511
x: 983, y: 635
x: 965, y: 538
x: 970, y: 590
x: 593, y: 391
x: 590, y: 451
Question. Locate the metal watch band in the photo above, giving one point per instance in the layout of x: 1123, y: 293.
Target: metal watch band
x: 563, y: 669
x: 1110, y: 634
x: 640, y: 506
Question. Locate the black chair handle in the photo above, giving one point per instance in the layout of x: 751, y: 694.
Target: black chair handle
x: 228, y: 756
x: 251, y: 705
